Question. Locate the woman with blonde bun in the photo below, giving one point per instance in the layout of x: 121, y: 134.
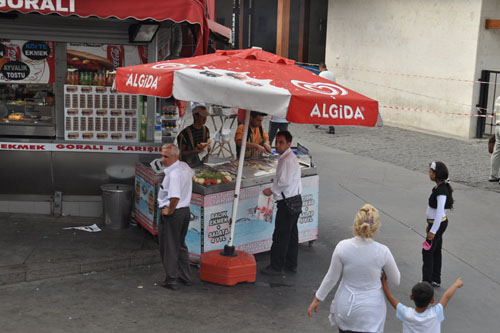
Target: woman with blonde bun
x: 359, y: 304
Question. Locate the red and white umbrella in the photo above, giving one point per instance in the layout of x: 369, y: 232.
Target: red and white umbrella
x: 250, y: 79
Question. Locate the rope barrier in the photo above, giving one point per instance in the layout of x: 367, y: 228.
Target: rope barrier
x: 434, y: 111
x: 415, y: 75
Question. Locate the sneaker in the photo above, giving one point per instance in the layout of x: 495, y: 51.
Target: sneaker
x: 436, y: 284
x: 493, y: 180
x: 291, y: 270
x: 268, y: 270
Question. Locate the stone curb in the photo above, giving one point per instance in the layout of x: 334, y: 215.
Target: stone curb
x: 33, y: 272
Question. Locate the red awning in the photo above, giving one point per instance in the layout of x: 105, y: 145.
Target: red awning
x: 220, y: 29
x: 192, y: 11
x: 176, y: 10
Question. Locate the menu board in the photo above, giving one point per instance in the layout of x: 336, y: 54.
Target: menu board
x: 26, y: 61
x: 94, y: 113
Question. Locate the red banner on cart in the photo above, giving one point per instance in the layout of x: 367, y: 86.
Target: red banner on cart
x: 26, y: 61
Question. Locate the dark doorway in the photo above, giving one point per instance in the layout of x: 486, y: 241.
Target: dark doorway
x: 489, y: 91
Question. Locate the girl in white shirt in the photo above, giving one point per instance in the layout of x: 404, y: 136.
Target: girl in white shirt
x: 440, y: 199
x: 359, y: 304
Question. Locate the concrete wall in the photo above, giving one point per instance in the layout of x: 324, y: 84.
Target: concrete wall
x: 369, y: 40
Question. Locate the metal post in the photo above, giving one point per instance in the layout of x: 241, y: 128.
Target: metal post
x: 57, y: 204
x: 229, y: 248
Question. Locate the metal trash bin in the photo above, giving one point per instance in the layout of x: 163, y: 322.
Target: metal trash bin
x: 116, y: 203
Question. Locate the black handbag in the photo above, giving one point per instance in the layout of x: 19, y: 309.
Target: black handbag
x: 293, y: 204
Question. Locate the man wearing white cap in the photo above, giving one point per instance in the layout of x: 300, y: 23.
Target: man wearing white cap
x: 195, y: 138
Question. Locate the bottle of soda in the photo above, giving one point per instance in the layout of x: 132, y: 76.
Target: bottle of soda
x: 102, y: 79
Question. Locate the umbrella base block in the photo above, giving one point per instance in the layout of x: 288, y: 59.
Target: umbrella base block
x: 227, y: 270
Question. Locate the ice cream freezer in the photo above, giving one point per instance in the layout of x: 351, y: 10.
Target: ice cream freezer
x: 211, y: 206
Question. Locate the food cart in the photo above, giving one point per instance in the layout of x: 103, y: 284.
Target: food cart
x: 212, y: 204
x: 249, y: 79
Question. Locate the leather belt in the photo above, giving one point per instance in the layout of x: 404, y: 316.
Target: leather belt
x: 432, y: 221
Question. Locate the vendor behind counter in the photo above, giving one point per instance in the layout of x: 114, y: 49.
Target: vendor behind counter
x: 194, y: 140
x: 257, y: 139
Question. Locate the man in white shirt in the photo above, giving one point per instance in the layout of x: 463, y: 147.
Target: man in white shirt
x: 174, y: 199
x: 326, y: 74
x: 286, y: 184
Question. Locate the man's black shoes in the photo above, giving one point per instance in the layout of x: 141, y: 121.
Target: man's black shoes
x: 185, y: 282
x: 268, y: 270
x: 174, y: 286
x: 171, y: 286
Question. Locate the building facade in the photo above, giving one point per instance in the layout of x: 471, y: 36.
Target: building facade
x: 422, y: 60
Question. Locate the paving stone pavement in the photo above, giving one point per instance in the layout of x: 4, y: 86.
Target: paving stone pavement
x: 468, y: 161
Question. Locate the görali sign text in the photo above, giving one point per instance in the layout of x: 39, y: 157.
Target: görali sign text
x: 65, y: 6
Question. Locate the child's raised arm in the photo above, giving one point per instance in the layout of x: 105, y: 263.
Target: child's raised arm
x: 449, y: 293
x: 394, y: 302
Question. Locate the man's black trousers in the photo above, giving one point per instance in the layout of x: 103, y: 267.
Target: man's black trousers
x: 174, y: 254
x: 285, y: 248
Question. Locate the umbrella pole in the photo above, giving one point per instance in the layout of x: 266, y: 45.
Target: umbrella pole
x: 229, y: 248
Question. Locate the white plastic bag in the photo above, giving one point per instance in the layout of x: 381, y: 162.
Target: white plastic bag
x: 265, y: 208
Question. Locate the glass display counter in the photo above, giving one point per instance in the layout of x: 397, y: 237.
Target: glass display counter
x: 27, y: 110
